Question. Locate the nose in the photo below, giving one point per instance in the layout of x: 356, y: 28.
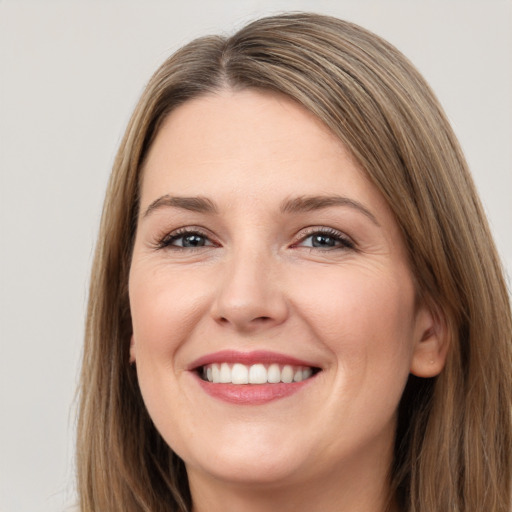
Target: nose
x: 250, y: 294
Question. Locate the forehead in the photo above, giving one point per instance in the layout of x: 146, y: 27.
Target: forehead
x: 249, y: 143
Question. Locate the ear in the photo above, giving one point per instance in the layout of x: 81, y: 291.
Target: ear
x: 431, y: 343
x: 132, y: 350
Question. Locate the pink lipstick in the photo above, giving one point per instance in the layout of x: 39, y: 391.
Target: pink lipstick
x: 252, y: 377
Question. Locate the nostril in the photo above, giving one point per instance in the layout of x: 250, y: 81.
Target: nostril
x: 258, y: 319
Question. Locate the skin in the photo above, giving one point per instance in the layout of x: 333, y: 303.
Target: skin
x: 258, y: 284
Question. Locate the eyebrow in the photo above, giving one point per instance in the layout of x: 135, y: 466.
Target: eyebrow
x: 311, y: 203
x: 299, y: 204
x: 194, y: 204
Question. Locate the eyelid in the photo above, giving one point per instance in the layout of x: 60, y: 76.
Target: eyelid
x: 346, y: 241
x: 165, y: 241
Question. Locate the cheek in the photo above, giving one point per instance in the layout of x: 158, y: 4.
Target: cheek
x: 165, y: 307
x: 165, y: 310
x: 365, y: 317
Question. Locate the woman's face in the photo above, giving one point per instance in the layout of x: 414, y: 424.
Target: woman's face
x: 274, y: 312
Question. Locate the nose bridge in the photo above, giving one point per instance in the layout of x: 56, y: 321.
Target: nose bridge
x: 249, y: 293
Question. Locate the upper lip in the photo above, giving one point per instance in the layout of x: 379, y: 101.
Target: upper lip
x: 249, y: 358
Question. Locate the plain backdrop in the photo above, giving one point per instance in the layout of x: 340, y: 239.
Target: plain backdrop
x: 70, y: 74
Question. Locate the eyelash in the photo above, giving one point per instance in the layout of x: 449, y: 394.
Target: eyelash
x: 344, y: 241
x: 168, y: 239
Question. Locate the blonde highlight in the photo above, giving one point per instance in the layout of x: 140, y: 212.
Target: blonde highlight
x: 379, y: 106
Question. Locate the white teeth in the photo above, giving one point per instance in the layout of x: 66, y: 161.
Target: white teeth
x: 274, y: 374
x: 215, y: 373
x: 306, y: 373
x: 255, y: 374
x: 287, y: 374
x: 239, y: 374
x: 258, y: 374
x: 225, y: 373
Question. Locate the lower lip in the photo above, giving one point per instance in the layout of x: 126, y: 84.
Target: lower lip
x: 251, y: 394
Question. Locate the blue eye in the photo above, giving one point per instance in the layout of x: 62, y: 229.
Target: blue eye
x: 329, y: 239
x: 322, y: 240
x: 186, y: 240
x: 191, y: 240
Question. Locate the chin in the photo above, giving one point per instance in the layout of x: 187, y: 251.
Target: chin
x: 250, y: 471
x: 251, y: 462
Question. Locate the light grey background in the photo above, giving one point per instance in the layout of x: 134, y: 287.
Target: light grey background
x: 70, y: 74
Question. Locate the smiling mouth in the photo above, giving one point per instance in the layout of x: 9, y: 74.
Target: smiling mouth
x: 239, y: 374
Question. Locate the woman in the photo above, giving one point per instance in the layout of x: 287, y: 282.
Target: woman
x: 296, y: 303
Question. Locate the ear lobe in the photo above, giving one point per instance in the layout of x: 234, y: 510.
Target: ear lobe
x: 132, y: 350
x: 431, y: 344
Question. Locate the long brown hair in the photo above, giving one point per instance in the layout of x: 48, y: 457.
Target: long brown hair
x: 453, y: 442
